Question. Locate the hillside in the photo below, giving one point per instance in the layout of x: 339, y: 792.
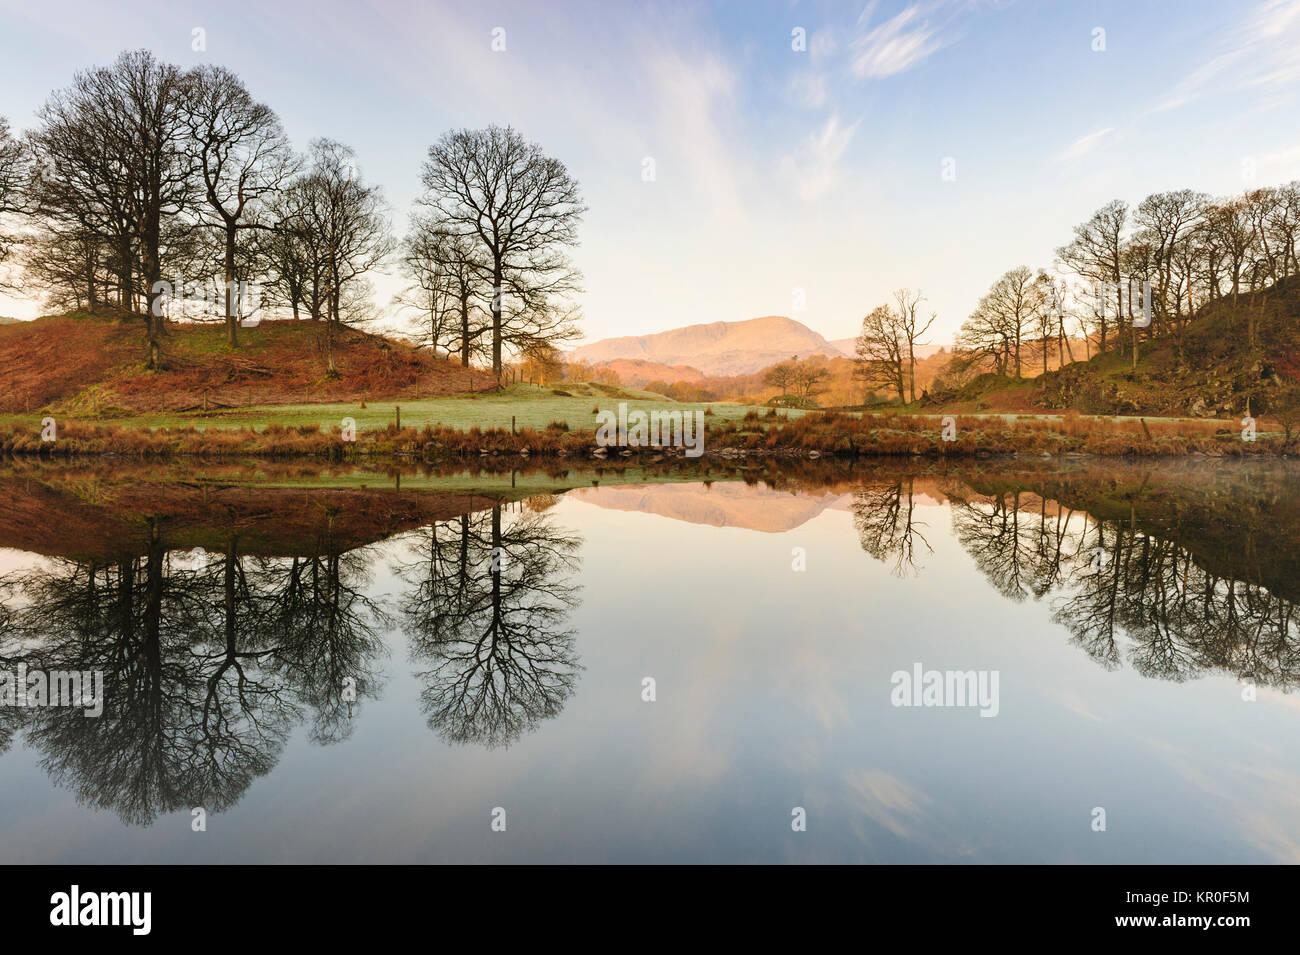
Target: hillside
x: 716, y: 349
x: 84, y: 363
x: 1208, y: 370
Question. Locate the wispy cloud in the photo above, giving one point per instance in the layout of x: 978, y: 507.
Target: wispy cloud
x: 1085, y: 144
x: 892, y: 804
x: 1263, y: 52
x: 894, y: 46
x: 814, y: 165
x: 807, y: 90
x: 690, y: 93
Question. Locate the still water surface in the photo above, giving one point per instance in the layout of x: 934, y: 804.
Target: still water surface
x: 498, y: 642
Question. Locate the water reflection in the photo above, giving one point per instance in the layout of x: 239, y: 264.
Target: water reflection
x: 209, y: 661
x: 485, y: 613
x: 224, y: 620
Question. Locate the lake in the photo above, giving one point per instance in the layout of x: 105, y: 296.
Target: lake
x: 996, y: 661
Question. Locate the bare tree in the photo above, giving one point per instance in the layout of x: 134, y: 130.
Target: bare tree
x: 291, y: 253
x: 781, y: 375
x: 523, y: 209
x: 242, y: 155
x: 1229, y: 240
x: 908, y: 303
x: 1164, y: 221
x: 541, y: 364
x: 13, y: 180
x: 446, y: 288
x: 810, y: 377
x: 880, y: 351
x: 1096, y: 253
x: 999, y: 325
x: 345, y: 225
x: 113, y: 160
x: 69, y: 266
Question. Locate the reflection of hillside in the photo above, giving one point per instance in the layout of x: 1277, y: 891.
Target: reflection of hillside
x: 207, y: 666
x: 211, y: 658
x: 1172, y: 581
x: 1239, y: 523
x: 59, y: 521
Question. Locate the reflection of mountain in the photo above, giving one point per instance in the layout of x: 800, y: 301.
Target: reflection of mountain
x: 212, y: 657
x: 755, y: 507
x: 718, y: 505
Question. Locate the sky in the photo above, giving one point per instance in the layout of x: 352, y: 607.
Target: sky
x: 925, y: 145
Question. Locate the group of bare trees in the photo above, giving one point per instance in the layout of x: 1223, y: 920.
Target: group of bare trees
x: 142, y: 174
x: 12, y: 179
x: 885, y: 354
x: 1016, y: 314
x: 1192, y: 250
x: 487, y: 252
x: 1139, y: 272
x: 802, y: 379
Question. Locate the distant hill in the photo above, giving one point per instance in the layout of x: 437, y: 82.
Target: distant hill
x: 715, y: 349
x: 637, y: 372
x: 849, y: 347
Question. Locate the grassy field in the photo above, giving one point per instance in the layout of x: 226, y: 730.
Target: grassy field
x: 530, y: 406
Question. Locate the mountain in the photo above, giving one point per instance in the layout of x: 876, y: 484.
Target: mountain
x: 718, y: 348
x: 637, y: 372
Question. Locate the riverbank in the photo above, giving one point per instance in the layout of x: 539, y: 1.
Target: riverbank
x: 755, y: 435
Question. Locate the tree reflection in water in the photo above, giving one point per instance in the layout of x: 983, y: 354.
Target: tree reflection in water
x: 208, y: 665
x: 211, y: 660
x: 485, y: 612
x: 1157, y: 597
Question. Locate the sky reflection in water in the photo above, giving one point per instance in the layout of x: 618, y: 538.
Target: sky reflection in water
x: 1121, y: 627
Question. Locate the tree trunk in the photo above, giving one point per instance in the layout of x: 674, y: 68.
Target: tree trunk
x: 464, y: 329
x: 496, y: 318
x: 232, y: 320
x: 911, y: 367
x: 127, y: 299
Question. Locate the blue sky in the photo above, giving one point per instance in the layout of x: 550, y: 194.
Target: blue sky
x: 776, y: 170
